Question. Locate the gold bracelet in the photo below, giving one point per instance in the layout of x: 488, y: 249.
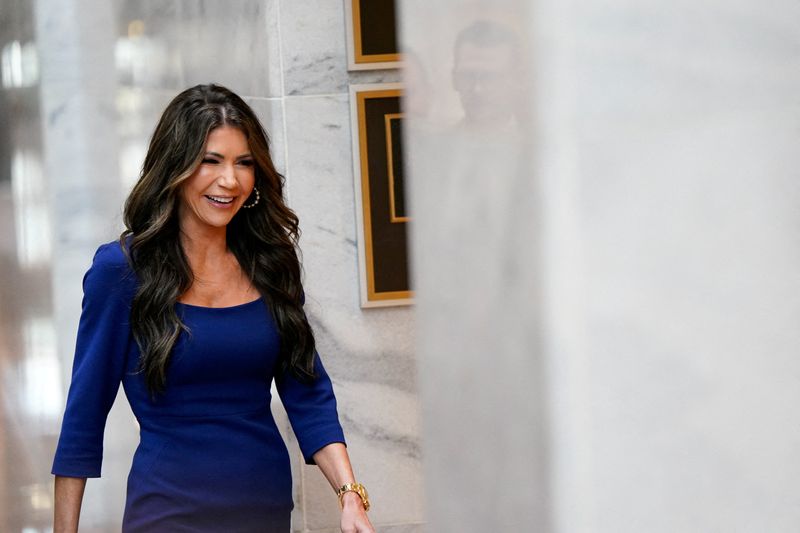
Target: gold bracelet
x: 359, y: 489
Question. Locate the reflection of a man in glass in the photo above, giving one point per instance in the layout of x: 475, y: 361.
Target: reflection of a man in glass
x: 416, y: 100
x: 486, y: 74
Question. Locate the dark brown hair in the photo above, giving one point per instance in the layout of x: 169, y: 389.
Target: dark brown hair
x: 263, y: 239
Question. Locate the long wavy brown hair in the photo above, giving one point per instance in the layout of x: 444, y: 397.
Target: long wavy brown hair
x: 263, y: 239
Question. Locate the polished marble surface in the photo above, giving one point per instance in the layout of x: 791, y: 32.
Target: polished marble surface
x: 370, y: 352
x: 613, y: 287
x: 314, y: 51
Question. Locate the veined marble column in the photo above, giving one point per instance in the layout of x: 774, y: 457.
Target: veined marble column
x: 607, y: 275
x: 477, y: 247
x: 75, y: 46
x: 75, y: 42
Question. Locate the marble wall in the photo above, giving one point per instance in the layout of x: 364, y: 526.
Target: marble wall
x: 107, y: 71
x: 608, y: 289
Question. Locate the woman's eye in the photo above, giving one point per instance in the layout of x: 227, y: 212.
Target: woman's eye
x: 208, y: 160
x: 246, y: 162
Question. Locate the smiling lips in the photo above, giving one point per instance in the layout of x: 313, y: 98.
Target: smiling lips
x: 220, y: 201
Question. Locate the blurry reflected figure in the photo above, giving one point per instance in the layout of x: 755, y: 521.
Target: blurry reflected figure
x: 476, y: 243
x: 475, y: 168
x: 486, y: 75
x: 417, y: 87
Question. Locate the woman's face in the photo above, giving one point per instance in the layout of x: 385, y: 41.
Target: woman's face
x: 216, y: 190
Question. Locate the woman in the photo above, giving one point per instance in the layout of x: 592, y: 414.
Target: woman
x: 195, y: 310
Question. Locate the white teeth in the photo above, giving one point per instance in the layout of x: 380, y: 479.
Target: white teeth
x: 220, y: 199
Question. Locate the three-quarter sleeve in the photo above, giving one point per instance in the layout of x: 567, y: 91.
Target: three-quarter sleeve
x: 98, y: 365
x: 311, y: 408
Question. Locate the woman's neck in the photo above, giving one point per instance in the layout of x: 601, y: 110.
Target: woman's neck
x: 204, y: 248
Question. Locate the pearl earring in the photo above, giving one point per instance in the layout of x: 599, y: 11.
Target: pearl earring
x: 258, y: 197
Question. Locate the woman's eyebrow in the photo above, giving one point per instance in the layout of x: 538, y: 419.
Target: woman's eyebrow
x: 216, y: 154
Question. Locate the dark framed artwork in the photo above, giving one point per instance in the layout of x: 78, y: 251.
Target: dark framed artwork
x: 381, y: 209
x: 371, y: 34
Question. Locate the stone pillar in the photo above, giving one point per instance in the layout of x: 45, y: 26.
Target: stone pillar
x: 607, y: 275
x: 75, y: 42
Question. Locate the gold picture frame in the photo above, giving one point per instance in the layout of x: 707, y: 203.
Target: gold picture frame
x: 379, y: 185
x: 371, y: 35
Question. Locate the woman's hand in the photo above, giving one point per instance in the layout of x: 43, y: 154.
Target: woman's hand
x: 335, y: 465
x: 354, y: 517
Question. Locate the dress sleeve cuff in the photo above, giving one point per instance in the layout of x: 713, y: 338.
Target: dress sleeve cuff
x: 83, y: 469
x: 313, y: 443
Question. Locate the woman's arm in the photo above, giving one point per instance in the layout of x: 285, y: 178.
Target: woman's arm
x: 335, y: 465
x: 68, y: 499
x: 97, y: 369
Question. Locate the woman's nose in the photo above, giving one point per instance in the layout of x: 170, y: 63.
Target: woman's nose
x: 227, y: 175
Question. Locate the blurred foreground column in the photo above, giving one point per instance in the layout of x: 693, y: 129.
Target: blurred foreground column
x: 477, y: 252
x: 75, y: 41
x: 605, y: 240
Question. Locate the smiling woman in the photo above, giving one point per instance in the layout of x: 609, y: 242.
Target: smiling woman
x: 224, y: 179
x: 195, y: 310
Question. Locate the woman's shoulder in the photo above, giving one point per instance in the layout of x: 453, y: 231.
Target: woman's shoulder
x: 110, y: 265
x: 111, y: 254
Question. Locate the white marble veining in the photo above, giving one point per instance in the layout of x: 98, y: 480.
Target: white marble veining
x: 270, y: 113
x: 314, y: 51
x: 367, y: 352
x: 313, y: 47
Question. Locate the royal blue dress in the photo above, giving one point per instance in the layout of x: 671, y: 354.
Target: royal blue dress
x: 210, y: 457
